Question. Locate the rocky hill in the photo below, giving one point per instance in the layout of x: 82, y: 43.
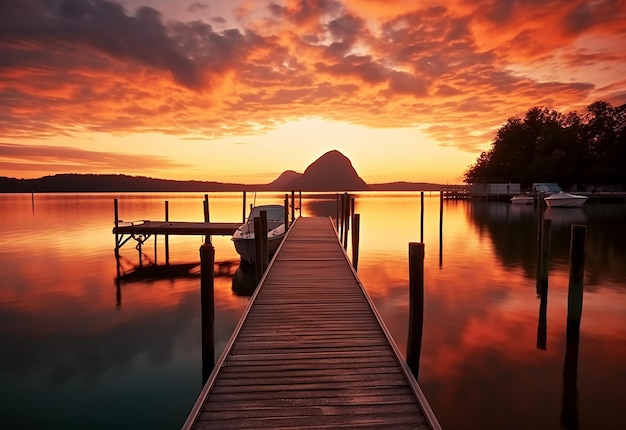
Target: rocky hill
x: 333, y: 171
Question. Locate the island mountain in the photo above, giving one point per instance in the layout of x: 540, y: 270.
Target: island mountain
x: 333, y: 171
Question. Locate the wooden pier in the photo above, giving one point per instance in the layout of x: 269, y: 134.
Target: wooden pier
x: 311, y: 351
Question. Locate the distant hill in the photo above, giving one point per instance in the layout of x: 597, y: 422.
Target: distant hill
x: 333, y: 171
x: 282, y: 182
x: 77, y: 183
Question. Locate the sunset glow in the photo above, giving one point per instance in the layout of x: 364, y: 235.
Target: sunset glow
x: 241, y: 91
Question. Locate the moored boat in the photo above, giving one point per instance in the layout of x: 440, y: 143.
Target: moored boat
x: 522, y: 199
x: 565, y: 200
x: 243, y: 238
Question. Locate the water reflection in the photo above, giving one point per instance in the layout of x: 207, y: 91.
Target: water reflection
x: 490, y: 357
x: 244, y: 279
x: 511, y: 229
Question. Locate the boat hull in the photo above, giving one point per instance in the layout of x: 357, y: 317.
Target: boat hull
x: 565, y: 200
x: 246, y: 249
x: 522, y: 200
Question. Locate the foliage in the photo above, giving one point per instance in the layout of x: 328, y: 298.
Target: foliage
x: 547, y: 146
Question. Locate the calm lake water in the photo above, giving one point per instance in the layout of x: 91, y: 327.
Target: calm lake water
x: 80, y: 350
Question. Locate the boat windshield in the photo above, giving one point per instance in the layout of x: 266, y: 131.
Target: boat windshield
x: 547, y: 188
x: 274, y: 212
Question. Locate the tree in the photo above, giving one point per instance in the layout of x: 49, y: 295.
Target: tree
x: 547, y: 146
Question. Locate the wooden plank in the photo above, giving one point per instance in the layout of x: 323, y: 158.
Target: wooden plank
x: 179, y: 228
x: 311, y: 352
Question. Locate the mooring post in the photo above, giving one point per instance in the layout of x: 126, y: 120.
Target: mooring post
x: 207, y: 216
x: 569, y: 408
x: 258, y: 249
x: 341, y: 220
x: 167, y: 238
x: 300, y: 203
x: 545, y: 254
x: 264, y: 244
x: 416, y: 306
x: 337, y: 212
x: 117, y: 222
x: 422, y: 217
x: 286, y: 212
x: 356, y: 222
x: 243, y: 216
x: 207, y: 304
x: 155, y: 249
x: 539, y: 246
x: 346, y: 217
x: 293, y: 204
x: 542, y: 326
x: 441, y: 228
x: 117, y: 240
x: 576, y: 276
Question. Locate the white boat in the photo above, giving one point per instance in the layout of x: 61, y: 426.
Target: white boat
x: 243, y: 238
x: 565, y: 200
x: 522, y: 199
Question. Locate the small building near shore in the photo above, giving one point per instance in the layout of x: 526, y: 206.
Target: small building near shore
x: 495, y: 190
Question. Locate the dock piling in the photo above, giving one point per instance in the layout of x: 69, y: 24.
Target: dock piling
x: 416, y: 306
x: 422, y: 217
x: 207, y: 304
x: 569, y: 408
x: 167, y: 238
x: 356, y: 223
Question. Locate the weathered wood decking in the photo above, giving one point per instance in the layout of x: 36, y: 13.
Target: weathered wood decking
x: 178, y: 228
x: 311, y: 351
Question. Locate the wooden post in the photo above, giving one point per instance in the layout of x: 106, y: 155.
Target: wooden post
x: 286, y: 215
x: 116, y: 219
x: 539, y: 234
x: 258, y: 250
x: 544, y: 263
x: 341, y: 220
x: 569, y: 406
x: 422, y: 217
x: 545, y: 255
x: 207, y: 304
x: 416, y: 306
x: 576, y: 276
x: 207, y: 217
x: 155, y: 249
x: 346, y: 217
x: 263, y: 237
x: 293, y: 204
x: 337, y: 214
x: 117, y: 238
x: 243, y: 216
x: 356, y: 222
x: 167, y: 238
x: 441, y: 228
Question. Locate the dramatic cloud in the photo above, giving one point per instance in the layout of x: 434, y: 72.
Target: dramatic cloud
x: 61, y: 159
x: 457, y: 69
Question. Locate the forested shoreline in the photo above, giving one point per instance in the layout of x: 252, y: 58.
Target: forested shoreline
x: 548, y: 146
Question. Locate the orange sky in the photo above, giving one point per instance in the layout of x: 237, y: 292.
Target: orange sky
x: 240, y: 91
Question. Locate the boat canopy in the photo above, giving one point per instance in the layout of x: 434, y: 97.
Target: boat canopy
x: 547, y: 187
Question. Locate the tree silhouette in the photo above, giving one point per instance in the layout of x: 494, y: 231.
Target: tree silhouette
x: 547, y: 146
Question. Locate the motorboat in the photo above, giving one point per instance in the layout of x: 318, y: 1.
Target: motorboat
x: 243, y: 238
x: 522, y: 199
x: 565, y: 200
